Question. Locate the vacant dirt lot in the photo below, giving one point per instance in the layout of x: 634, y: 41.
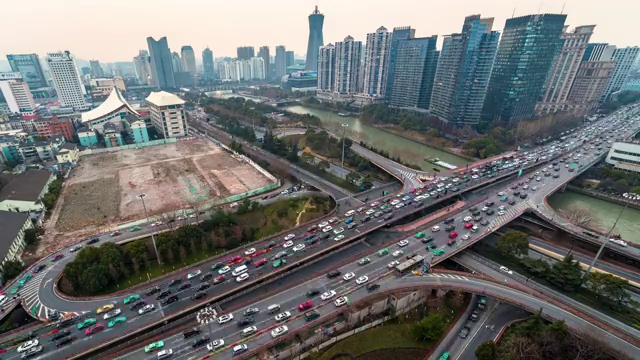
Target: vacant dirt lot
x: 102, y: 191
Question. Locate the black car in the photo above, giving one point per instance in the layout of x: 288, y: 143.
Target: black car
x: 464, y: 332
x: 39, y: 268
x: 206, y: 278
x: 333, y: 273
x: 64, y: 341
x: 247, y: 320
x: 449, y: 220
x: 184, y: 286
x: 473, y: 209
x: 251, y: 311
x: 170, y: 300
x: 155, y: 290
x: 523, y: 196
x: 313, y: 292
x: 489, y: 203
x: 555, y: 176
x: 477, y: 218
x: 93, y: 241
x: 372, y: 287
x: 427, y: 239
x: 476, y: 213
x: 449, y: 228
x: 138, y: 305
x: 272, y: 244
x: 203, y: 287
x: 163, y: 295
x: 175, y: 282
x: 60, y: 335
x: 198, y: 295
x: 365, y: 219
x: 512, y: 202
x: 202, y: 341
x: 191, y: 333
x: 516, y: 193
x: 490, y: 212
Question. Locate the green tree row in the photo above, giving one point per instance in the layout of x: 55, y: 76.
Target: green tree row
x: 50, y: 198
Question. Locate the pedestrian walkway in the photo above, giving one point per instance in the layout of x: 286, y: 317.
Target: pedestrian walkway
x: 425, y: 220
x: 29, y: 294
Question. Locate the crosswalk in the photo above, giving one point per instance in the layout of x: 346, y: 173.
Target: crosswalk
x: 448, y: 276
x: 510, y: 213
x: 30, y: 295
x: 408, y: 174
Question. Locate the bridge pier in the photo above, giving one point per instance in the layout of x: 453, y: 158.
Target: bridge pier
x: 564, y: 187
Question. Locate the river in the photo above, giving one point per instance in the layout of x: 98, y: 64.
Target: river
x: 603, y: 212
x: 408, y: 150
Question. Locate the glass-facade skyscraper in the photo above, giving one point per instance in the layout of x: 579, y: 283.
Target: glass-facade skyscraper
x: 463, y: 73
x: 415, y: 67
x: 29, y: 66
x: 207, y: 64
x: 161, y: 63
x: 526, y: 52
x: 316, y: 20
x: 399, y: 33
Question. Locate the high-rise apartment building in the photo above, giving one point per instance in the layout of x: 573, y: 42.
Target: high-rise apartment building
x: 348, y: 55
x: 624, y: 58
x: 564, y: 70
x: 207, y: 64
x: 281, y: 61
x: 415, y: 66
x: 161, y: 63
x: 463, y: 72
x: 96, y: 69
x: 376, y: 63
x: 166, y: 111
x: 399, y: 33
x: 289, y: 58
x: 223, y: 71
x: 257, y: 68
x: 526, y: 52
x: 188, y: 59
x: 17, y: 95
x: 29, y: 66
x: 66, y: 79
x: 142, y: 66
x: 263, y: 52
x: 245, y: 52
x: 176, y: 63
x: 326, y: 68
x: 316, y: 20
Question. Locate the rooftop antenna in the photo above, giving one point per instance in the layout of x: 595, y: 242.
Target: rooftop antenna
x: 513, y: 14
x: 540, y: 7
x: 562, y: 11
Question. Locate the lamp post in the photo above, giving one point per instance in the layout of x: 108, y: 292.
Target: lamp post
x: 344, y: 132
x: 630, y: 197
x: 153, y: 238
x: 206, y: 316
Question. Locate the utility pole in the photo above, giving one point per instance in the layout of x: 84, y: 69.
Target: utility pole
x: 153, y: 238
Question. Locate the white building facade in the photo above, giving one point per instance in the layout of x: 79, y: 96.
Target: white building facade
x: 257, y: 68
x: 167, y: 114
x: 376, y: 63
x: 326, y: 68
x: 624, y: 156
x: 17, y: 94
x: 624, y: 58
x: 66, y: 80
x: 347, y: 66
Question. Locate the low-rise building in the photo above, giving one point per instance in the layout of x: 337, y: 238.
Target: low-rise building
x: 9, y: 150
x: 114, y: 110
x: 87, y: 137
x: 139, y: 132
x: 51, y: 126
x: 167, y: 114
x: 68, y: 154
x: 624, y: 156
x: 12, y: 242
x: 24, y: 192
x: 40, y: 151
x: 112, y: 136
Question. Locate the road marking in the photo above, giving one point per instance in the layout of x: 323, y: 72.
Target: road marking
x: 46, y: 282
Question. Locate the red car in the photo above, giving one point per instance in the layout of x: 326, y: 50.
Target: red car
x: 116, y: 233
x: 57, y: 257
x: 468, y: 225
x: 305, y: 305
x: 94, y: 329
x: 218, y: 279
x: 236, y: 259
x: 451, y: 242
x: 261, y: 262
x: 259, y: 252
x: 453, y: 235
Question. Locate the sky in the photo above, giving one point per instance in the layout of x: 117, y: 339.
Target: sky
x: 115, y: 30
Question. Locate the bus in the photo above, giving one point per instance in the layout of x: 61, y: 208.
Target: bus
x: 410, y: 264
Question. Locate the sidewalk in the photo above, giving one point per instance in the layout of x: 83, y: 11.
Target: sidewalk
x: 427, y: 219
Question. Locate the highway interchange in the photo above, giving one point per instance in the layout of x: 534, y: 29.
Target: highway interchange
x: 52, y: 300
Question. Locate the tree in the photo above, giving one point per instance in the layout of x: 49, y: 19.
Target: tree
x: 112, y: 256
x: 353, y: 177
x: 487, y: 350
x: 31, y: 237
x: 430, y: 328
x: 513, y: 243
x: 536, y: 267
x: 566, y: 274
x: 611, y: 287
x: 579, y: 216
x: 323, y: 165
x: 138, y: 252
x: 11, y: 269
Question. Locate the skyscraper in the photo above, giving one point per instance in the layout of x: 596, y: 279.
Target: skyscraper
x: 66, y: 79
x: 142, y: 66
x: 17, y: 95
x: 564, y: 69
x: 29, y: 66
x: 316, y: 20
x: 347, y: 66
x: 161, y: 63
x: 399, y: 33
x: 592, y: 78
x: 176, y: 63
x: 415, y: 68
x: 207, y: 64
x: 257, y: 68
x: 525, y: 55
x: 376, y: 63
x: 96, y: 69
x: 245, y: 52
x: 188, y: 59
x: 281, y: 61
x: 289, y: 58
x: 264, y: 54
x: 463, y: 72
x: 624, y: 58
x: 326, y: 68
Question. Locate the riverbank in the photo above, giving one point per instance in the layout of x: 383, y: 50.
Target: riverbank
x: 604, y: 196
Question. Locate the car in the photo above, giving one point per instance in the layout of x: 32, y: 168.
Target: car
x: 339, y: 237
x: 323, y: 225
x: 289, y: 237
x: 453, y: 235
x: 364, y: 261
x: 427, y: 239
x: 146, y: 309
x: 59, y: 335
x: 501, y: 213
x: 305, y: 305
x: 403, y: 243
x: 135, y: 228
x: 86, y: 323
x: 75, y: 248
x: 485, y: 209
x: 39, y: 268
x: 112, y: 313
x: 238, y: 349
x: 328, y: 295
x: 464, y: 332
x: 491, y: 212
x: 299, y: 247
x: 219, y: 279
x: 327, y: 228
x: 435, y: 228
x: 278, y: 263
x: 120, y: 319
x: 93, y: 241
x: 484, y: 222
x: 222, y: 319
x: 338, y: 231
x: 466, y: 237
x: 348, y: 276
x: 287, y: 244
x: 397, y: 253
x: 64, y: 341
x: 115, y: 233
x: 224, y: 270
x: 333, y: 273
x: 131, y: 298
x: 154, y: 346
x: 511, y: 202
x: 215, y: 345
x: 246, y: 321
x: 468, y: 225
x: 194, y: 274
x: 28, y: 345
x: 349, y: 213
x: 250, y: 251
x: 312, y: 292
x: 199, y: 295
x: 362, y: 279
x: 523, y: 196
x: 280, y: 330
x: 57, y: 257
x: 170, y: 300
x: 175, y: 282
x: 242, y: 277
x: 184, y: 286
x: 467, y: 219
x: 283, y: 316
x: 506, y: 269
x: 393, y: 264
x: 372, y: 287
x: 94, y: 329
x: 32, y: 352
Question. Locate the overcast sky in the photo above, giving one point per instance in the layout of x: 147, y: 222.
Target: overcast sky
x: 115, y: 30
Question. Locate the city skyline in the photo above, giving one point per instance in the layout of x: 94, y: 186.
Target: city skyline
x: 263, y: 25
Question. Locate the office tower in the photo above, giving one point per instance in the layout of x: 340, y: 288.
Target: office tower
x: 161, y: 63
x: 188, y: 59
x: 66, y: 79
x: 564, y: 69
x: 167, y: 115
x: 347, y: 66
x: 376, y: 63
x: 245, y: 52
x: 463, y: 72
x: 592, y: 78
x: 415, y: 68
x: 599, y: 52
x: 96, y: 69
x: 29, y: 66
x: 526, y: 52
x: 142, y: 66
x: 263, y: 53
x: 17, y: 95
x: 326, y: 68
x: 176, y: 62
x: 257, y: 68
x: 399, y: 33
x: 624, y: 58
x: 290, y: 58
x: 316, y: 19
x: 207, y: 64
x: 281, y: 61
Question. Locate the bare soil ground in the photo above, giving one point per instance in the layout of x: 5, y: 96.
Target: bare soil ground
x: 102, y: 191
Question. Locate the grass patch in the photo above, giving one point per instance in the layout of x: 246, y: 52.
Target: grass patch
x: 330, y: 177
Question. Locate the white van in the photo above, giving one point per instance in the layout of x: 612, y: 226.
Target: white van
x: 240, y: 270
x: 273, y: 308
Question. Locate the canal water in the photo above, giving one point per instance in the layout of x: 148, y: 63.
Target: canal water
x: 408, y: 150
x: 603, y: 212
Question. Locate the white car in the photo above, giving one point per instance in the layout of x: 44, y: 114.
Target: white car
x: 370, y: 211
x: 500, y: 213
x: 225, y: 318
x: 224, y: 270
x: 283, y: 316
x: 242, y: 277
x: 501, y: 193
x: 485, y: 209
x: 289, y: 237
x: 395, y: 202
x: 341, y: 301
x: 399, y: 205
x: 466, y: 237
x: 287, y: 244
x: 280, y: 330
x: 403, y: 243
x: 194, y: 274
x: 112, y: 313
x: 435, y: 228
x: 506, y: 269
x: 338, y: 231
x: 397, y: 253
x: 145, y: 309
x: 374, y: 204
x: 323, y: 224
x: 348, y: 276
x: 298, y: 247
x: 28, y: 345
x: 215, y: 345
x: 327, y: 229
x: 362, y: 279
x: 250, y: 251
x: 393, y: 264
x: 328, y: 295
x: 474, y: 177
x: 163, y: 354
x: 361, y: 209
x: 75, y: 248
x: 349, y: 213
x: 468, y: 219
x: 534, y: 188
x: 339, y: 237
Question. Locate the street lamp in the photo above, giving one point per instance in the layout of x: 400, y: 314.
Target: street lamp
x: 344, y: 132
x: 630, y: 197
x: 153, y: 238
x: 206, y: 316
